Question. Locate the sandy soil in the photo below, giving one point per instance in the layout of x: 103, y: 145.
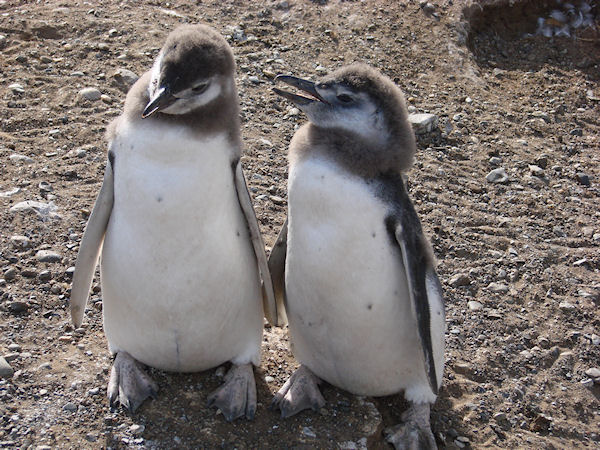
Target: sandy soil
x: 519, y: 260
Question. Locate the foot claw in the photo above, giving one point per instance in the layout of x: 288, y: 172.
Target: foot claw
x: 237, y: 395
x: 300, y: 392
x: 415, y: 431
x: 129, y: 384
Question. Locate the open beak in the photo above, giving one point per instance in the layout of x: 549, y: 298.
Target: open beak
x: 303, y: 85
x: 163, y: 99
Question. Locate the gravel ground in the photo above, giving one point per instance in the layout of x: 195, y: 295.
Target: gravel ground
x: 506, y: 184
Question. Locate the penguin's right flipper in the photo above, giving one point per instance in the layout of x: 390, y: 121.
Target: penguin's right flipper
x: 277, y: 269
x: 91, y: 243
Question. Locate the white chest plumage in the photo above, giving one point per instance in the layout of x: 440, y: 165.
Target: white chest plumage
x: 180, y: 284
x: 347, y: 299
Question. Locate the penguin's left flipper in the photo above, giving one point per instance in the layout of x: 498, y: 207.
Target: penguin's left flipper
x: 423, y: 283
x: 91, y: 243
x: 269, y: 303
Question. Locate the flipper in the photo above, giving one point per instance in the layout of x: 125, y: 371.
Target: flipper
x: 90, y: 246
x: 404, y: 225
x: 269, y: 304
x: 277, y: 268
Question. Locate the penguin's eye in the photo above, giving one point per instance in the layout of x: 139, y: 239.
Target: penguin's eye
x: 199, y: 89
x: 344, y: 98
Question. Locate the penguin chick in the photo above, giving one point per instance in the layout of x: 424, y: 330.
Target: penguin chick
x: 182, y: 256
x: 351, y: 264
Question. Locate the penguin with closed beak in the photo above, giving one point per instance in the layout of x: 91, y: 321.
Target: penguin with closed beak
x: 181, y: 253
x: 351, y: 264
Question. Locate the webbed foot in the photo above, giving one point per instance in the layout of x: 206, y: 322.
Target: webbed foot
x: 414, y: 432
x: 129, y: 384
x: 300, y: 392
x: 237, y: 395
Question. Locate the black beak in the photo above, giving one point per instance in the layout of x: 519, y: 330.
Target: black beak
x: 304, y: 85
x: 163, y: 99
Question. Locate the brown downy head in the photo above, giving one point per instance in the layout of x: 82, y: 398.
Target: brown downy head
x: 357, y: 117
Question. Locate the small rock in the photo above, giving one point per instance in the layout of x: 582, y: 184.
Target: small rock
x: 90, y: 93
x: 269, y: 379
x: 460, y: 279
x: 582, y: 178
x: 14, y: 347
x: 536, y: 171
x: 20, y: 159
x: 576, y: 132
x: 40, y: 208
x: 94, y: 391
x: 498, y: 73
x: 474, y: 305
x: 595, y: 339
x: 593, y: 372
x: 498, y: 175
x: 587, y: 383
x: 308, y: 432
x: 495, y: 161
x: 423, y: 123
x: 498, y: 288
x: 10, y: 274
x: 71, y: 407
x: 16, y: 88
x: 10, y: 192
x: 45, y: 275
x: 220, y: 372
x: 254, y: 79
x: 540, y: 423
x: 123, y: 79
x: 276, y: 199
x: 566, y: 306
x: 17, y: 307
x: 48, y: 256
x: 106, y: 99
x: 5, y: 370
x: 137, y: 429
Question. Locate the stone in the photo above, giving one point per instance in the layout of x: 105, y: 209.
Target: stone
x: 40, y: 208
x: 90, y: 93
x: 269, y: 379
x: 136, y: 429
x: 593, y: 372
x: 10, y: 192
x: 20, y: 159
x: 70, y: 406
x: 498, y: 288
x: 308, y: 432
x: 536, y: 171
x: 582, y: 178
x: 5, y: 370
x: 423, y: 123
x: 10, y: 274
x: 566, y: 306
x: 460, y: 279
x: 495, y: 161
x: 498, y: 175
x: 17, y: 307
x: 276, y: 199
x: 474, y: 305
x: 16, y: 88
x: 48, y: 256
x: 123, y: 79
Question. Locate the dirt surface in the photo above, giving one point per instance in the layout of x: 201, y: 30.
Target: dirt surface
x: 519, y: 260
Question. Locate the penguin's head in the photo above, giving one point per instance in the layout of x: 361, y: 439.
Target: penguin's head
x: 357, y: 99
x: 194, y: 68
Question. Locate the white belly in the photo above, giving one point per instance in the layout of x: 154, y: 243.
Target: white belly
x: 348, y: 306
x: 180, y: 283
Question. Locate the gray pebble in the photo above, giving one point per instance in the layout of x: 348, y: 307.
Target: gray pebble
x: 566, y: 306
x: 308, y: 432
x: 593, y: 372
x: 474, y: 305
x: 71, y: 407
x: 495, y: 161
x: 45, y: 275
x: 17, y: 307
x: 423, y: 123
x: 5, y: 370
x: 498, y: 175
x: 582, y: 178
x: 16, y: 88
x: 10, y: 192
x: 14, y: 347
x: 498, y: 288
x: 460, y: 279
x: 90, y: 93
x: 123, y: 79
x: 48, y: 256
x: 136, y: 429
x: 40, y: 208
x: 10, y: 274
x: 20, y: 159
